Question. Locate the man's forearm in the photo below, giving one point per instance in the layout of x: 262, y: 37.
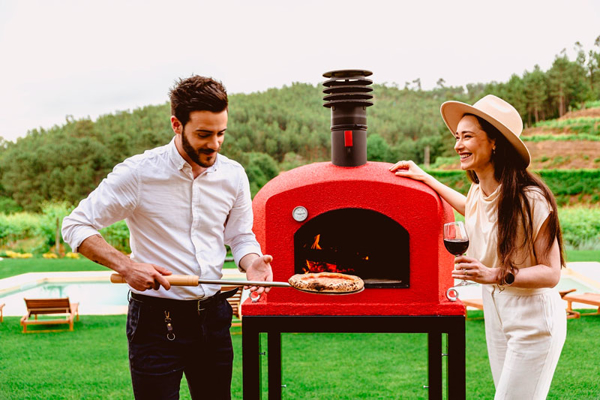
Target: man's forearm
x: 99, y: 251
x: 247, y: 260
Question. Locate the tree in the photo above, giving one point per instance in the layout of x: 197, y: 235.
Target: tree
x: 377, y: 148
x: 536, y: 92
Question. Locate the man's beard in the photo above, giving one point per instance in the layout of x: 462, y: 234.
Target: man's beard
x: 195, y: 154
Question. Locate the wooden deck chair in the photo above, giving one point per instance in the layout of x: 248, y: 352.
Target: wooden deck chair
x: 60, y: 306
x: 1, y: 312
x: 585, y: 298
x: 478, y: 303
x: 570, y: 313
x: 475, y: 303
x: 236, y: 303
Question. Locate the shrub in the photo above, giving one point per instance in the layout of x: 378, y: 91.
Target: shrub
x: 563, y: 183
x: 581, y: 228
x: 583, y: 125
x: 117, y: 235
x: 18, y: 226
x: 50, y: 222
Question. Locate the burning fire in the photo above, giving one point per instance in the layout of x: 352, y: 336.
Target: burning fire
x: 315, y: 245
x: 322, y: 266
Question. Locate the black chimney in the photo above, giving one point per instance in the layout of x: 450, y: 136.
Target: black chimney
x: 348, y: 96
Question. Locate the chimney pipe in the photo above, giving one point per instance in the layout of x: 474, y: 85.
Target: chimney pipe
x: 348, y: 94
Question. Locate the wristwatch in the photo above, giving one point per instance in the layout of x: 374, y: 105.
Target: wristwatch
x: 508, y: 279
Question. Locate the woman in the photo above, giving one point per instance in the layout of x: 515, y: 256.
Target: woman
x: 515, y: 249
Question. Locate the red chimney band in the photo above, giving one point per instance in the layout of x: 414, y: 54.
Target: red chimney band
x: 348, y: 138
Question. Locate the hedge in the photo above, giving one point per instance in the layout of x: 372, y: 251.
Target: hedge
x: 570, y: 187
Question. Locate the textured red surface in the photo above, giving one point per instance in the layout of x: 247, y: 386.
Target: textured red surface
x: 323, y: 187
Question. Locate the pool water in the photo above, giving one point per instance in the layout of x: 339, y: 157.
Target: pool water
x: 103, y: 297
x: 93, y: 297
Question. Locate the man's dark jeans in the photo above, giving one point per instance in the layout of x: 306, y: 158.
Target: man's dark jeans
x: 200, y: 347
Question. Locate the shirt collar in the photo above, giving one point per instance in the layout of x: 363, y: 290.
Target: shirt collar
x: 180, y: 162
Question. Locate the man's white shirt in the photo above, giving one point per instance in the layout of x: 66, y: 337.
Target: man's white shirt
x: 175, y: 221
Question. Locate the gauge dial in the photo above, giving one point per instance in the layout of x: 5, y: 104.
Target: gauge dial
x: 300, y: 213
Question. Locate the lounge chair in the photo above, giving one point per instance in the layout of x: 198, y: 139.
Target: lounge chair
x: 1, y: 312
x: 475, y: 303
x: 61, y: 306
x: 235, y: 302
x: 585, y: 298
x: 478, y: 303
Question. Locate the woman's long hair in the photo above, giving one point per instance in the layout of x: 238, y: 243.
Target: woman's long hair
x: 514, y: 209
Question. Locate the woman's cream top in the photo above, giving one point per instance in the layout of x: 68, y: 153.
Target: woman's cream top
x: 481, y: 217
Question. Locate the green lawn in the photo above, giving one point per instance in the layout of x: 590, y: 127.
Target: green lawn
x: 91, y: 362
x: 10, y: 267
x: 583, y: 255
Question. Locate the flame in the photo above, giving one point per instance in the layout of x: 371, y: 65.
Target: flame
x: 321, y: 266
x: 315, y: 245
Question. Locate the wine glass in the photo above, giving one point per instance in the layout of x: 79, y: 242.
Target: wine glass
x: 456, y: 242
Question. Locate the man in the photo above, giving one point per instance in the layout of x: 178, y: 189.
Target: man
x: 183, y: 203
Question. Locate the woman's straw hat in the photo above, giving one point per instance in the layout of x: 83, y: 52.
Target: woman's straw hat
x: 495, y: 111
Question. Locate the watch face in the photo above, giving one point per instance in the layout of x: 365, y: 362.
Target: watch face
x: 510, y: 278
x: 300, y: 213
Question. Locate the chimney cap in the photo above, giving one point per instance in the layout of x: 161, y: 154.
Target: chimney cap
x: 347, y: 73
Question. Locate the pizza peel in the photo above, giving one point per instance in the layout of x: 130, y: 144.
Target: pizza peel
x: 194, y: 280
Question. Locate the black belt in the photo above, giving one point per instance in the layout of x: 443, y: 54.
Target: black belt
x: 197, y: 305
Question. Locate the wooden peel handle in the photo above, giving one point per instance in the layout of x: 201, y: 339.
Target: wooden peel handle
x: 174, y: 280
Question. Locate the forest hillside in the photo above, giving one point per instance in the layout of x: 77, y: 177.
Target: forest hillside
x: 282, y: 128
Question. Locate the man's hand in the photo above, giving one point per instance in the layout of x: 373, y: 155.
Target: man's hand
x: 259, y: 270
x: 141, y: 276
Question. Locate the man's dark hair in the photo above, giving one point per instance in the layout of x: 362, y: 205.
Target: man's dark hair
x: 197, y: 93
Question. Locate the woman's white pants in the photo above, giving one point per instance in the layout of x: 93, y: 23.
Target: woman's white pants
x: 525, y: 332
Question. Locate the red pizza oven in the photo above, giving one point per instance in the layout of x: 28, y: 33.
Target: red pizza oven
x: 354, y: 217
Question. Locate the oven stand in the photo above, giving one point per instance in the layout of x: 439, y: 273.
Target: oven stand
x: 434, y: 326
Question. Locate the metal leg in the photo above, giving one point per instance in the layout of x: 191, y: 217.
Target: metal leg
x: 456, y: 361
x: 434, y: 340
x: 274, y: 365
x: 435, y: 327
x: 251, y: 359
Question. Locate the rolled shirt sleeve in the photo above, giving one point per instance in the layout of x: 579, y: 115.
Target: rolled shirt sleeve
x: 238, y: 229
x: 112, y: 201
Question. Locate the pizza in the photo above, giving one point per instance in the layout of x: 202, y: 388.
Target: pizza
x: 327, y: 282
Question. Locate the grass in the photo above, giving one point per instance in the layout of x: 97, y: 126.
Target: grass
x: 91, y: 362
x: 583, y: 255
x: 11, y: 267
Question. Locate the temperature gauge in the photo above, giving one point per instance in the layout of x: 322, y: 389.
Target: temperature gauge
x: 300, y: 213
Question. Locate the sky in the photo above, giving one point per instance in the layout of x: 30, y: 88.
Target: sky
x: 90, y: 58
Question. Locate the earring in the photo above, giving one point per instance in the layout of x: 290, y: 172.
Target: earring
x: 494, y: 151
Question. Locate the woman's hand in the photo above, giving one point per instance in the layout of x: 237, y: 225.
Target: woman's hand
x: 409, y: 169
x: 468, y: 268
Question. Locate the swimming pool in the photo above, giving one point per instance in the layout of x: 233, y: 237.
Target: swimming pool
x: 97, y: 296
x: 93, y: 297
x: 92, y: 290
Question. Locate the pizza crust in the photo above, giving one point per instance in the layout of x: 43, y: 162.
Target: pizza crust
x: 327, y: 282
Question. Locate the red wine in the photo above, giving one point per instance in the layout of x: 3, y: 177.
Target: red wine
x: 456, y: 246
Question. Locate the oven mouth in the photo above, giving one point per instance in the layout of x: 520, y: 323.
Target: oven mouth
x: 358, y: 242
